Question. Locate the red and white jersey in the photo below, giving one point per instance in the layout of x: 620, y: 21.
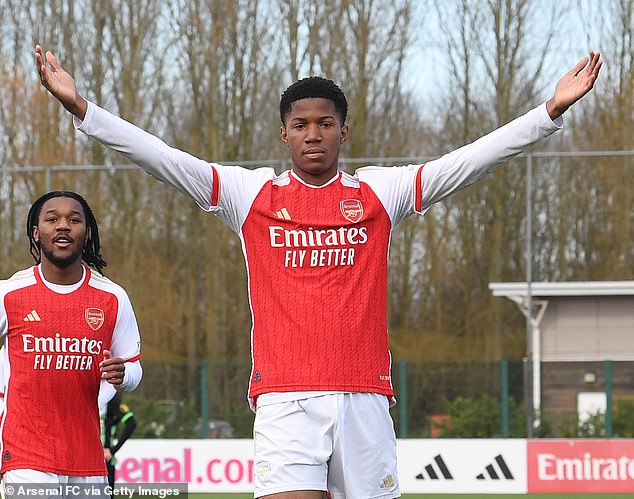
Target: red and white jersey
x: 54, y: 338
x: 317, y: 257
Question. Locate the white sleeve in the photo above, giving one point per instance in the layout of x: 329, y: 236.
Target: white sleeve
x: 458, y: 169
x: 106, y: 392
x: 190, y: 175
x: 3, y: 318
x: 405, y: 190
x: 126, y: 343
x: 132, y: 376
x: 3, y: 364
x: 394, y: 186
x: 226, y: 191
x: 236, y: 189
x: 4, y: 321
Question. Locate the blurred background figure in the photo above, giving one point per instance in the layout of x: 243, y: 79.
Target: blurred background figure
x: 118, y: 424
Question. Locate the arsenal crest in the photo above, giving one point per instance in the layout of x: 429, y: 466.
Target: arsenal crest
x: 94, y: 317
x: 352, y: 210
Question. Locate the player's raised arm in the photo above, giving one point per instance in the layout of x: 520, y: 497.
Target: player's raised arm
x: 574, y: 84
x: 189, y: 174
x: 59, y: 83
x: 448, y: 174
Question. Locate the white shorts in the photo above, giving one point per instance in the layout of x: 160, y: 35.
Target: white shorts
x: 341, y: 442
x: 62, y: 486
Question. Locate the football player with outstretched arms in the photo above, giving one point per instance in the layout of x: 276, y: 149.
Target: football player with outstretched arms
x: 315, y: 242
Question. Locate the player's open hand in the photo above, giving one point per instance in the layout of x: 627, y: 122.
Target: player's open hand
x: 575, y: 84
x: 112, y: 368
x: 59, y: 83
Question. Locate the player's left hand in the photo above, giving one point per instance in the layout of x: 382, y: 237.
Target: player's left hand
x: 112, y: 368
x: 575, y: 84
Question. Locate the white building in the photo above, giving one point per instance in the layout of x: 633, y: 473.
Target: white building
x: 576, y: 328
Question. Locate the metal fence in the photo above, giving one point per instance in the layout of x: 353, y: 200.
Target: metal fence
x: 183, y: 394
x: 434, y: 399
x: 424, y: 391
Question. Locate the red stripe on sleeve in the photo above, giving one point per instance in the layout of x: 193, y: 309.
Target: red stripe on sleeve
x: 215, y: 187
x: 418, y: 190
x: 133, y: 359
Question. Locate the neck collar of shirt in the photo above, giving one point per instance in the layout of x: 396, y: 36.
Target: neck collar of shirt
x: 332, y: 180
x: 62, y: 288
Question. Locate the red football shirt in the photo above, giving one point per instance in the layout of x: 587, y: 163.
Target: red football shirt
x: 317, y: 261
x: 55, y: 342
x: 317, y: 256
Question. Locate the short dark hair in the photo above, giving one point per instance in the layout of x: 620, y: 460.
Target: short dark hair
x: 91, y: 253
x: 314, y: 86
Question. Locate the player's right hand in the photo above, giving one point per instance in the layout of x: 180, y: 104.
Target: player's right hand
x: 59, y: 83
x: 112, y: 368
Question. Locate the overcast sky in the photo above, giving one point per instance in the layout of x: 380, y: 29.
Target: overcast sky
x: 427, y: 70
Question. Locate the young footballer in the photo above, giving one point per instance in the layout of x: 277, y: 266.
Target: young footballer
x: 66, y: 328
x: 315, y: 242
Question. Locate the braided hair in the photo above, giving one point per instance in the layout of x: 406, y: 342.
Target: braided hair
x: 91, y: 253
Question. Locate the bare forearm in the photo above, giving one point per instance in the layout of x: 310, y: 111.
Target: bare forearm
x: 78, y: 107
x: 555, y: 110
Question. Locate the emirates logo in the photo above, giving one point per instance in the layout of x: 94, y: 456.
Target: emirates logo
x: 352, y: 210
x: 94, y: 317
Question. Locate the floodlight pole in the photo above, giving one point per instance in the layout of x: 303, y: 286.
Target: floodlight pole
x: 528, y: 384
